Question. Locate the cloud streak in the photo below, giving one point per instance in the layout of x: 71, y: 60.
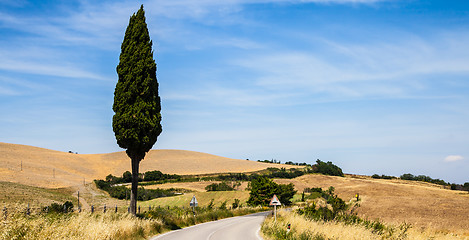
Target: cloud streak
x: 454, y: 158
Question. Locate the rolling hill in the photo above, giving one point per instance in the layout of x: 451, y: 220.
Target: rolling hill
x: 53, y: 169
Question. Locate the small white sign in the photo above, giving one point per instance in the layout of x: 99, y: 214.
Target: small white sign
x: 275, y: 201
x: 194, y: 202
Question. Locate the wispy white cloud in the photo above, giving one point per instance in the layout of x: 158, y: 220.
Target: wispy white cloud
x: 396, y: 69
x: 454, y: 158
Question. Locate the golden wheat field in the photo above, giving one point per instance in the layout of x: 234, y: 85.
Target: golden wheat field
x: 53, y: 169
x: 396, y: 201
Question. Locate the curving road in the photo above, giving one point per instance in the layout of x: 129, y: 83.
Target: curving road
x: 242, y: 227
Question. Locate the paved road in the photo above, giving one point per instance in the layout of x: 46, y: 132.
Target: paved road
x: 242, y: 227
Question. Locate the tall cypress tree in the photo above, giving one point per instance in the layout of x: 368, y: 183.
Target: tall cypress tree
x: 136, y: 122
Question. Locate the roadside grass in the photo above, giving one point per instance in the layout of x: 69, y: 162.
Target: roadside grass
x: 78, y: 226
x: 203, y: 199
x: 12, y: 193
x: 41, y: 226
x: 303, y: 228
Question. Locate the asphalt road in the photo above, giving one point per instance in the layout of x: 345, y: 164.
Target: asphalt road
x: 242, y: 227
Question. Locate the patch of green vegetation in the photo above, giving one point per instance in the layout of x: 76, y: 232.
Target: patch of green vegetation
x: 263, y: 189
x: 13, y: 193
x: 203, y: 199
x: 122, y: 192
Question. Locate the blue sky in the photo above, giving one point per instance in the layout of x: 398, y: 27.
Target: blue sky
x: 373, y: 86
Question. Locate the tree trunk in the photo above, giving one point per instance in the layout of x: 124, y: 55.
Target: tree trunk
x: 133, y: 193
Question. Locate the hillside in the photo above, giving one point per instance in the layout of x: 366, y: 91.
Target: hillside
x: 397, y: 201
x: 53, y: 169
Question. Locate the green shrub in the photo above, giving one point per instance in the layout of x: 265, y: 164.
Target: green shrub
x: 236, y: 203
x: 223, y: 186
x: 327, y: 168
x: 59, y: 208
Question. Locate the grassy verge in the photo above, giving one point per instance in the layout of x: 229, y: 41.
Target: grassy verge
x: 12, y: 193
x: 78, y: 226
x: 203, y: 198
x: 304, y: 228
x: 110, y: 225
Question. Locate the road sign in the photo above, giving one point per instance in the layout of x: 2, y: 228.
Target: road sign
x: 194, y: 202
x: 275, y: 201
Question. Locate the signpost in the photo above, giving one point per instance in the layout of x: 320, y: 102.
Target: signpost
x: 275, y: 202
x: 194, y: 204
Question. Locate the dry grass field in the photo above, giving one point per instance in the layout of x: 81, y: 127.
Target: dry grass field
x: 397, y: 201
x: 302, y: 228
x: 53, y: 169
x: 393, y: 201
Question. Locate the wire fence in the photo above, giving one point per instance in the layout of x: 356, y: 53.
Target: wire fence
x: 11, y: 211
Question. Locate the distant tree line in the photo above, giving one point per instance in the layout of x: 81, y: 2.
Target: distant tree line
x: 157, y: 177
x: 147, y: 177
x: 270, y: 161
x: 461, y: 187
x: 423, y: 178
x: 326, y: 168
x: 122, y: 192
x: 376, y: 176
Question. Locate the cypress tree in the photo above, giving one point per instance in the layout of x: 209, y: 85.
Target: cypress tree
x: 136, y: 122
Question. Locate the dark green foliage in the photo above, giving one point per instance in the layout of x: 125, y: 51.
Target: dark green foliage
x: 223, y: 186
x: 211, y: 204
x: 376, y: 176
x: 297, y: 164
x: 222, y: 206
x: 270, y: 161
x: 119, y: 192
x: 59, y: 208
x: 285, y: 193
x: 233, y: 177
x: 423, y: 178
x: 122, y: 192
x: 327, y: 168
x: 101, y: 184
x: 127, y: 177
x: 235, y: 203
x: 157, y: 175
x: 284, y: 173
x: 113, y: 179
x: 148, y: 194
x: 137, y: 107
x: 325, y: 213
x: 263, y: 189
